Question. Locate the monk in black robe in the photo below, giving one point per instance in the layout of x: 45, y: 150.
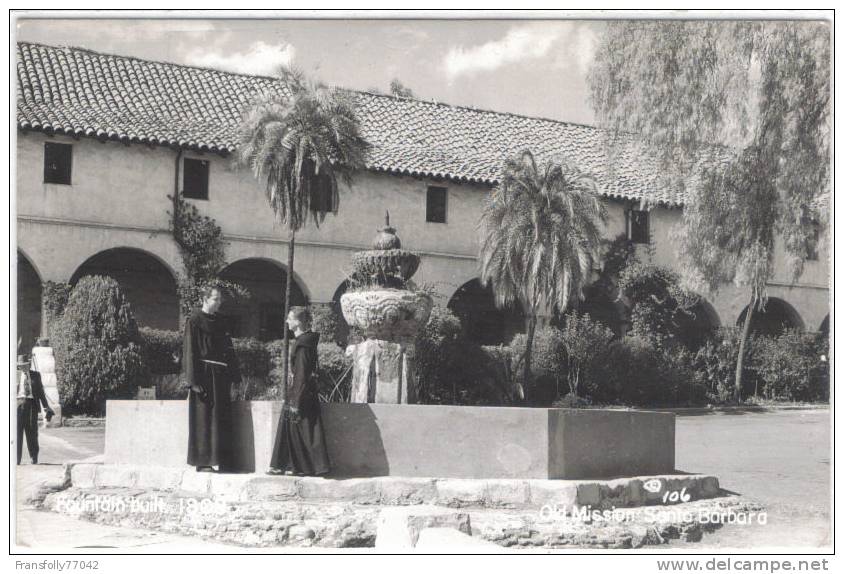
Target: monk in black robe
x: 300, y: 440
x: 210, y: 368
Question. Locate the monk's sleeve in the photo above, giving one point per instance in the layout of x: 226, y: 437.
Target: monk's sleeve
x: 232, y: 362
x: 189, y: 355
x: 300, y: 376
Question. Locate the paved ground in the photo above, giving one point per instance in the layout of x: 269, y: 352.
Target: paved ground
x: 780, y: 458
x: 46, y: 531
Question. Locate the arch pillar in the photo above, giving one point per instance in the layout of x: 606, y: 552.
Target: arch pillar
x: 29, y: 303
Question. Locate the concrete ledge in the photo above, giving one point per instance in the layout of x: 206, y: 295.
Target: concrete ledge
x: 398, y: 491
x: 368, y: 440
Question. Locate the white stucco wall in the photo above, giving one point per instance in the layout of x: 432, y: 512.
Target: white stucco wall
x: 118, y: 198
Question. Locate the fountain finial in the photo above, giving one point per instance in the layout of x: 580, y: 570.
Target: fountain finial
x: 386, y: 237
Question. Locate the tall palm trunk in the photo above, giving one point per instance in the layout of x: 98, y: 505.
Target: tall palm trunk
x: 529, y: 350
x: 287, y: 289
x: 745, y: 333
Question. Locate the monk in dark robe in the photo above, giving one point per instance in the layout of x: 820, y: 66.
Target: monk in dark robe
x: 210, y: 368
x: 300, y: 441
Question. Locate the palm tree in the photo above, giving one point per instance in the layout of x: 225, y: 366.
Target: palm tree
x: 540, y: 236
x: 299, y: 144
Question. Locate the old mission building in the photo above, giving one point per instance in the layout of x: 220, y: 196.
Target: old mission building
x: 103, y: 140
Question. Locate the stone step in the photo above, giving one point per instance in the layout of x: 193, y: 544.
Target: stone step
x: 393, y: 491
x: 341, y: 524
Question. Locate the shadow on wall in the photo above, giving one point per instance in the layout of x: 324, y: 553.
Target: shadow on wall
x: 243, y: 435
x: 358, y: 426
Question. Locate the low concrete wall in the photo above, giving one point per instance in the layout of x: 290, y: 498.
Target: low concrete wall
x: 418, y: 440
x: 604, y: 443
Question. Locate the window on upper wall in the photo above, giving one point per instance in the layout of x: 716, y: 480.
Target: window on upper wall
x: 58, y: 159
x: 195, y: 182
x: 638, y: 226
x: 814, y: 241
x: 322, y: 198
x: 437, y: 204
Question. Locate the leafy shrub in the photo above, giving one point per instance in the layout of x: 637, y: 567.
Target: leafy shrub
x: 162, y: 350
x: 714, y: 365
x: 252, y: 356
x: 482, y: 375
x: 97, y: 347
x: 202, y: 247
x: 163, y: 353
x: 789, y: 366
x: 659, y: 306
x: 54, y: 296
x: 329, y: 324
x: 548, y: 364
x: 636, y: 372
x: 437, y: 357
x: 334, y: 373
x: 585, y: 343
x: 489, y: 376
x: 275, y: 353
x: 169, y: 387
x: 570, y: 401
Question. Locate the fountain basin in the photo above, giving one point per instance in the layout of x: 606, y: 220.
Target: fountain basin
x: 387, y: 314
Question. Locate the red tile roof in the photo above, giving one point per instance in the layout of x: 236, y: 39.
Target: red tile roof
x: 79, y: 92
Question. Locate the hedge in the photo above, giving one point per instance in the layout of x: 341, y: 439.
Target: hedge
x: 630, y: 371
x: 162, y: 350
x: 163, y: 353
x: 97, y: 347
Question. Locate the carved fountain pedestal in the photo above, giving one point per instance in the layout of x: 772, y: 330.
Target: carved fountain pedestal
x: 389, y: 315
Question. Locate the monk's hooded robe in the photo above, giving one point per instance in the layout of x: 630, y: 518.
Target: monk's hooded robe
x: 300, y: 440
x: 210, y: 368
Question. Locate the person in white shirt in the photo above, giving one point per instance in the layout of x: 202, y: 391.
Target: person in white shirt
x: 30, y: 398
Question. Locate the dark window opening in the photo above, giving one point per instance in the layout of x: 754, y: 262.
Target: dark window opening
x: 814, y: 241
x: 196, y: 179
x: 638, y: 226
x: 436, y: 205
x: 57, y: 162
x: 322, y: 197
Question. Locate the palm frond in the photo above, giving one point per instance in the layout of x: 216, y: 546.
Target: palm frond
x: 299, y: 141
x: 541, y: 232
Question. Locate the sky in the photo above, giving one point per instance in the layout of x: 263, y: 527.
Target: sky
x: 530, y: 67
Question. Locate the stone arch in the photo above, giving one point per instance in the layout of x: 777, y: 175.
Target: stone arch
x: 774, y: 318
x: 147, y: 283
x: 261, y: 315
x: 824, y: 326
x: 342, y: 327
x: 482, y: 321
x: 28, y: 302
x: 698, y: 323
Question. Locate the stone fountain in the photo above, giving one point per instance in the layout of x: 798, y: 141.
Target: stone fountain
x: 389, y: 315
